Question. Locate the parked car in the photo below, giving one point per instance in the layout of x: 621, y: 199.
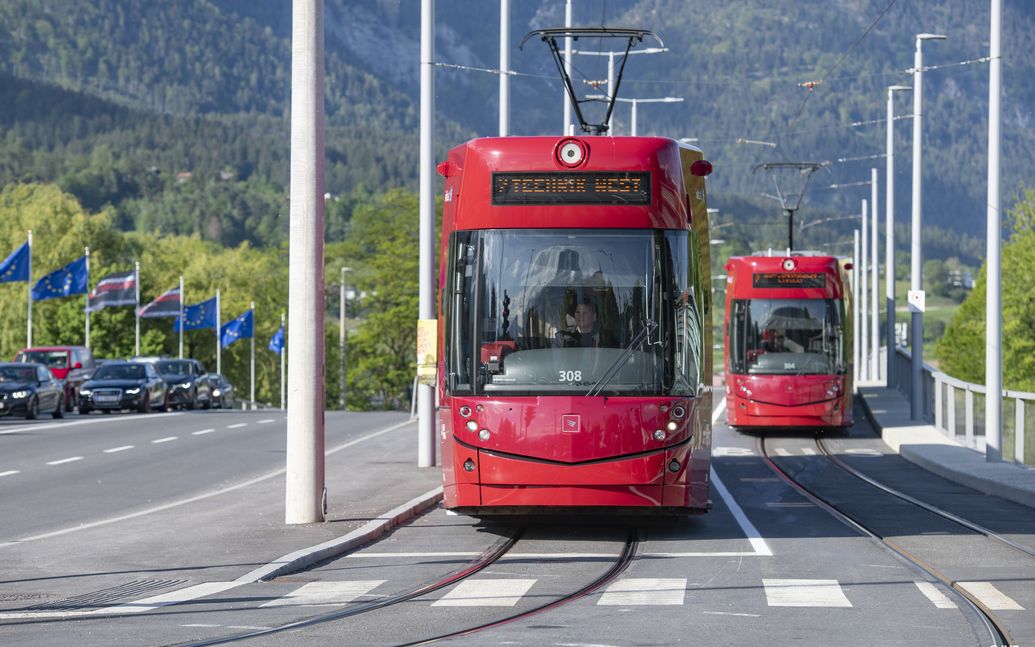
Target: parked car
x: 123, y: 385
x: 29, y: 389
x: 222, y: 391
x: 188, y: 382
x: 71, y: 364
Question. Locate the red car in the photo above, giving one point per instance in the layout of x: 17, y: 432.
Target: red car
x: 73, y: 365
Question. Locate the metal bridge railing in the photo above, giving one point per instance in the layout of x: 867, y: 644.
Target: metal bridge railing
x: 957, y: 409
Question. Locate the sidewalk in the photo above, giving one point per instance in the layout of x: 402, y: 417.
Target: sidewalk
x: 925, y: 446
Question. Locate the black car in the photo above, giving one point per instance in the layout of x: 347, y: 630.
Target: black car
x: 29, y: 389
x: 188, y: 382
x: 123, y: 385
x: 222, y: 391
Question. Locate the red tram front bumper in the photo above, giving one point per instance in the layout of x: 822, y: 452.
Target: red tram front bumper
x: 788, y: 401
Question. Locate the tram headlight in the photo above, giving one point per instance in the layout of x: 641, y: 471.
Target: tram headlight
x: 471, y: 425
x: 673, y: 466
x: 571, y: 153
x: 659, y: 434
x: 678, y: 411
x: 465, y: 411
x: 671, y: 426
x: 469, y: 465
x: 484, y: 434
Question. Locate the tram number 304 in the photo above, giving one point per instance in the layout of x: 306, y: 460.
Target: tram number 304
x: 570, y: 376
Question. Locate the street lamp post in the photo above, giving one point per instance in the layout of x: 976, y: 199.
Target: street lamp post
x: 889, y: 229
x: 916, y: 294
x: 993, y: 278
x: 864, y: 303
x: 874, y: 274
x: 634, y: 102
x: 341, y: 338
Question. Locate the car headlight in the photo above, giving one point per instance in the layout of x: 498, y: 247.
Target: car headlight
x: 133, y: 391
x: 20, y: 394
x: 85, y: 391
x: 215, y: 392
x: 185, y: 385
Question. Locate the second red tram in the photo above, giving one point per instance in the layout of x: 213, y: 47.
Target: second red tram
x: 788, y: 342
x: 574, y: 332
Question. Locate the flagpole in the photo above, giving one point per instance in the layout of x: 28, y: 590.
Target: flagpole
x: 87, y: 309
x: 28, y: 330
x: 283, y: 353
x: 253, y: 357
x: 181, y: 316
x: 136, y: 282
x: 219, y: 342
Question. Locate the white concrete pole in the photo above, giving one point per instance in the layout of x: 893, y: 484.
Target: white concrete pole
x: 28, y: 327
x: 283, y: 360
x: 874, y: 280
x: 341, y: 340
x: 86, y: 311
x: 993, y: 274
x: 633, y: 118
x: 856, y: 269
x: 864, y: 294
x: 427, y: 254
x: 610, y: 88
x: 182, y: 301
x: 305, y: 497
x: 916, y: 330
x: 567, y: 68
x: 889, y: 230
x: 504, y: 68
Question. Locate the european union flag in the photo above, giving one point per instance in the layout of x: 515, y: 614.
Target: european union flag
x: 70, y: 279
x: 16, y: 267
x: 277, y: 341
x: 198, y: 316
x: 239, y: 328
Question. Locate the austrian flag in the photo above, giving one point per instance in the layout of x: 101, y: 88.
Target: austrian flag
x: 114, y: 290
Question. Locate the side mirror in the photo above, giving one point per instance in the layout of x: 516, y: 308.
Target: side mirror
x: 77, y: 365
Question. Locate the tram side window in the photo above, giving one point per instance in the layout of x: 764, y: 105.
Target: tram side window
x: 458, y: 309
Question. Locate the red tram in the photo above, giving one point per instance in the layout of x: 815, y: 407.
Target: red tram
x: 574, y: 362
x: 788, y: 342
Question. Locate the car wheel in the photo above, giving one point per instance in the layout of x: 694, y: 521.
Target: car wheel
x: 84, y: 411
x: 59, y: 410
x: 70, y: 401
x: 106, y: 411
x: 145, y: 404
x: 32, y: 410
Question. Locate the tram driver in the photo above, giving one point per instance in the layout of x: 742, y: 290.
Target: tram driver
x: 586, y: 332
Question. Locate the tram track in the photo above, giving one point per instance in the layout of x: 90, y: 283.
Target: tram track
x: 491, y: 556
x: 996, y: 629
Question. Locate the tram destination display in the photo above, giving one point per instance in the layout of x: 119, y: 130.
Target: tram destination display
x: 588, y: 188
x: 788, y: 280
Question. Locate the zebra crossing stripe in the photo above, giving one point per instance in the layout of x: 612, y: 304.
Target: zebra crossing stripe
x: 485, y: 593
x: 645, y: 591
x: 804, y: 593
x: 990, y: 596
x: 325, y: 594
x: 935, y: 596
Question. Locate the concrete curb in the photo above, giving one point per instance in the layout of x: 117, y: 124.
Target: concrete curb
x: 369, y: 532
x: 925, y: 446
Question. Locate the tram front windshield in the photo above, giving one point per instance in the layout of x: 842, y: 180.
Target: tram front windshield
x: 571, y: 312
x: 786, y: 337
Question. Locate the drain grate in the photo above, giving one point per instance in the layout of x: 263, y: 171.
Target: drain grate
x: 105, y: 597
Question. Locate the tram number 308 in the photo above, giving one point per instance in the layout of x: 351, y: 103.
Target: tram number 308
x: 570, y: 376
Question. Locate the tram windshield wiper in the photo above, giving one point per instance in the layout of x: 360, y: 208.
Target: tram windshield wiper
x: 620, y: 361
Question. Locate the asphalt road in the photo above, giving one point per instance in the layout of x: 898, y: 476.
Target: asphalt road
x: 765, y: 566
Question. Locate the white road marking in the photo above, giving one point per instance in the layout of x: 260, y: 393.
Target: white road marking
x: 932, y: 593
x: 76, y: 423
x: 202, y: 432
x: 324, y: 594
x: 118, y: 449
x: 202, y: 625
x: 265, y: 421
x: 645, y: 591
x: 727, y: 613
x: 732, y: 451
x: 10, y: 472
x: 485, y: 593
x: 780, y: 451
x: 863, y: 452
x: 200, y: 497
x: 808, y: 451
x: 175, y: 597
x: 804, y: 593
x: 165, y: 440
x: 990, y: 596
x: 237, y: 426
x: 66, y: 460
x: 755, y: 537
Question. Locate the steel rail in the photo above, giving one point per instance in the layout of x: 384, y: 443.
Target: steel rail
x: 486, y: 559
x: 970, y: 525
x: 992, y: 624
